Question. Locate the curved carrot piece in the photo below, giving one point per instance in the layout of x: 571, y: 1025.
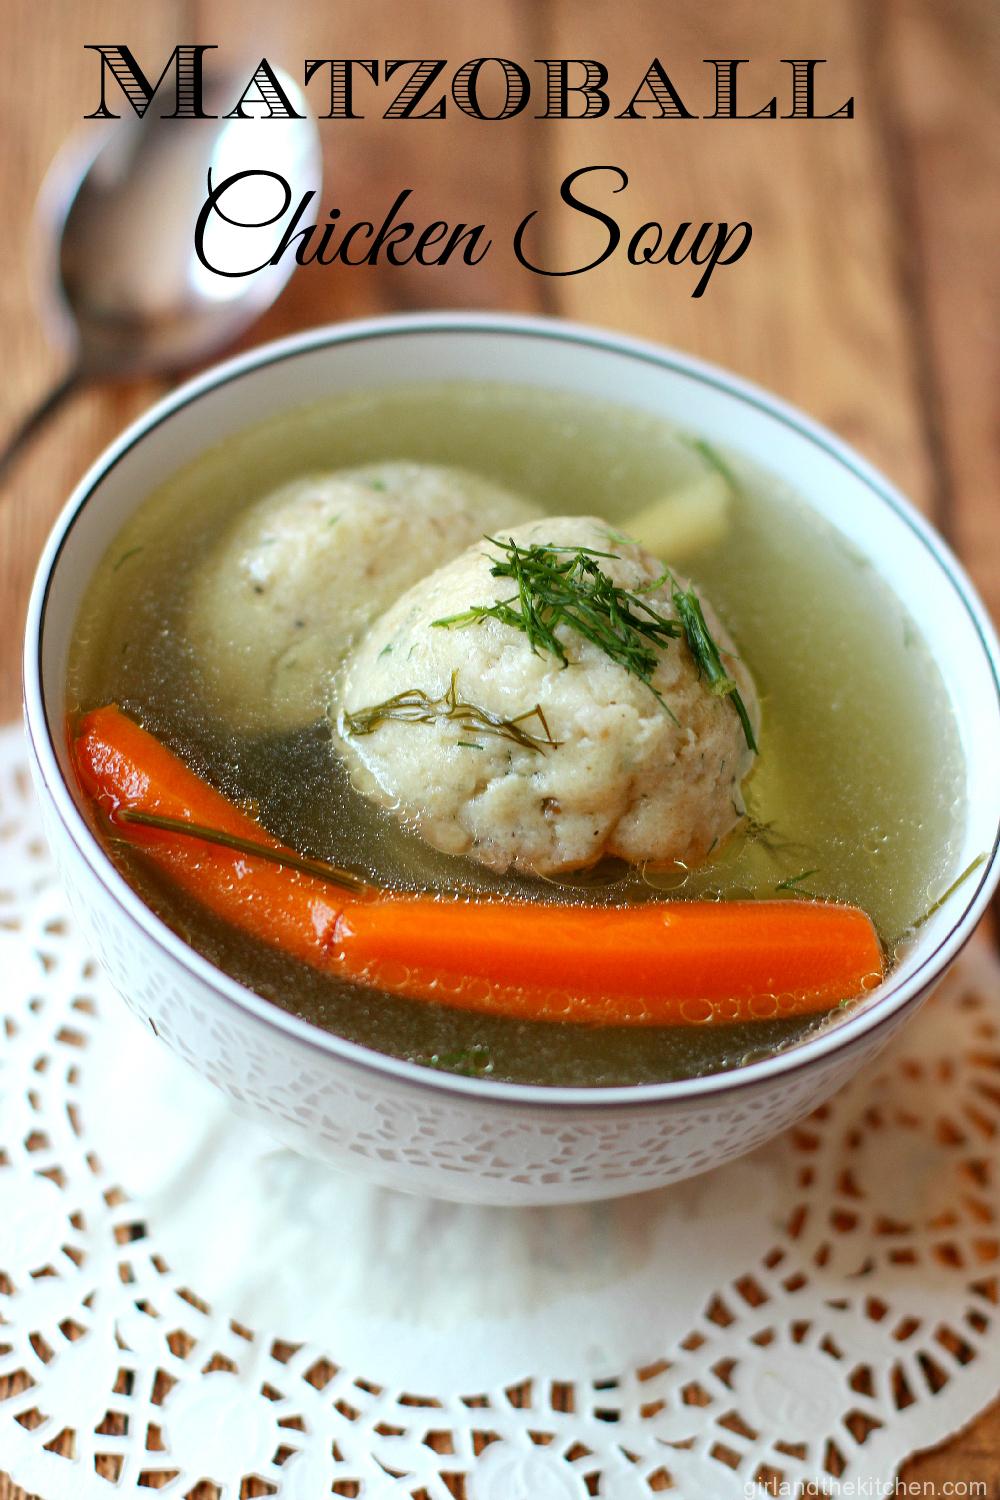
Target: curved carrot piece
x: 663, y: 963
x: 123, y: 767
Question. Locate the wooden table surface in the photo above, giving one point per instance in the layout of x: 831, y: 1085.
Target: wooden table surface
x: 864, y: 297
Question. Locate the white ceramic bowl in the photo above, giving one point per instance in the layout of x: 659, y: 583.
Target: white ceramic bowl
x: 406, y: 1126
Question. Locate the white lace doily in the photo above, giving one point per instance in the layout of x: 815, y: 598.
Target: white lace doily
x: 182, y: 1298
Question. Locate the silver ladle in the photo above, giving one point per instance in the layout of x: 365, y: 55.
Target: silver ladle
x: 122, y: 288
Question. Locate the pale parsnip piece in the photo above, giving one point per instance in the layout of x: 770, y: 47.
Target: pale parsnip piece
x: 686, y: 521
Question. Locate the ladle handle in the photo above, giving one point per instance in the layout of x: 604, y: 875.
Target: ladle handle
x: 37, y: 418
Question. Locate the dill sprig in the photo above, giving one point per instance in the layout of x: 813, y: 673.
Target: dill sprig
x: 286, y: 857
x: 960, y: 880
x: 713, y: 459
x: 567, y: 586
x: 794, y: 882
x: 706, y: 654
x: 774, y: 842
x: 414, y: 706
x: 473, y: 1062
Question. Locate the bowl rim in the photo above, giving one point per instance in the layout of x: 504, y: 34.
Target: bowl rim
x: 840, y: 1037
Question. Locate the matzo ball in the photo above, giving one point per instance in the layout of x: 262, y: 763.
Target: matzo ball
x: 613, y: 770
x: 298, y: 575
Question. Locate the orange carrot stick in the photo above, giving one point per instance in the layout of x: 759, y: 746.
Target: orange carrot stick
x: 658, y: 964
x: 123, y: 768
x: 662, y: 963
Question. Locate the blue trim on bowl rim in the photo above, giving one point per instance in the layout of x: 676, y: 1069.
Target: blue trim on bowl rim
x: 841, y: 1037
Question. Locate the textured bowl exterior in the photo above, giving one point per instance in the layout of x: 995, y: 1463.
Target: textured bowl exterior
x: 415, y: 1136
x: 407, y: 1127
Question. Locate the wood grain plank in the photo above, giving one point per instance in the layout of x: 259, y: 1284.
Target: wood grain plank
x: 938, y: 83
x: 943, y: 115
x: 42, y: 100
x: 814, y: 310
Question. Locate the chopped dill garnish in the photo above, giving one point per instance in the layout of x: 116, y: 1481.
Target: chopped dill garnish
x: 414, y: 706
x: 131, y: 552
x: 467, y: 745
x: 706, y: 654
x: 567, y: 586
x: 794, y: 881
